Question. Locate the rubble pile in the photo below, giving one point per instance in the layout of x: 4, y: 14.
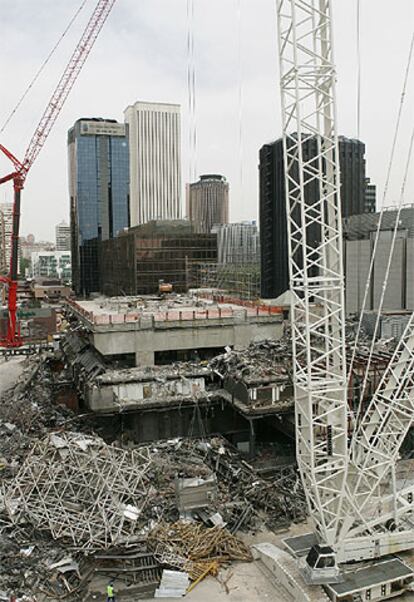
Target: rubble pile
x: 28, y: 412
x: 245, y: 501
x: 259, y: 362
x: 73, y: 506
x: 81, y: 489
x: 193, y: 548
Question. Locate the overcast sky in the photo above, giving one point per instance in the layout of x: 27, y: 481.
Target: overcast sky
x: 141, y: 55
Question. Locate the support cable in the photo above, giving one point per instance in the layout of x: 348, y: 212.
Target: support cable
x: 383, y: 205
x: 191, y: 90
x: 358, y: 36
x: 41, y: 68
x: 240, y: 95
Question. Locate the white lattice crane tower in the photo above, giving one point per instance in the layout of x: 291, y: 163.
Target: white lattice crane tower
x: 316, y: 272
x: 350, y: 483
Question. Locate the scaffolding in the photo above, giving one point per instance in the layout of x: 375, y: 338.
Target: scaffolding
x: 235, y: 279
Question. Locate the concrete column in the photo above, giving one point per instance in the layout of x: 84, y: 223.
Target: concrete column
x: 144, y: 358
x: 252, y: 439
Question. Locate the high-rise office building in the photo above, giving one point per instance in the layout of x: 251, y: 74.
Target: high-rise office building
x: 208, y: 202
x: 370, y: 196
x: 272, y: 205
x: 99, y: 193
x: 62, y: 232
x: 155, y: 161
x: 237, y: 243
x: 6, y: 227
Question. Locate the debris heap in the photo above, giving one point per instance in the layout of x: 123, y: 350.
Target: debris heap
x: 193, y: 548
x: 81, y: 489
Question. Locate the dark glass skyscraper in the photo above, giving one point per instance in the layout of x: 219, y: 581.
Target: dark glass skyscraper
x: 99, y: 194
x: 272, y: 205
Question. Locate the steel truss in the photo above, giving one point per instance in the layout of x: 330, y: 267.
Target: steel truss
x: 307, y: 77
x: 79, y: 488
x: 375, y: 446
x: 352, y: 497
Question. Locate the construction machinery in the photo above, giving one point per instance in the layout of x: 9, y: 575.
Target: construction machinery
x: 41, y: 133
x: 356, y: 507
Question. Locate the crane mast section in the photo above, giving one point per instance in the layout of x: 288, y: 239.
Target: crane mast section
x: 377, y: 440
x: 65, y: 84
x: 312, y: 189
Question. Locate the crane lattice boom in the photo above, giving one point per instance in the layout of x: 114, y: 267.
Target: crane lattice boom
x: 40, y: 135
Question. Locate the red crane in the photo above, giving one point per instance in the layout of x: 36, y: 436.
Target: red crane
x: 42, y: 131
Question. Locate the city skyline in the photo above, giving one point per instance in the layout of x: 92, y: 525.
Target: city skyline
x: 158, y: 30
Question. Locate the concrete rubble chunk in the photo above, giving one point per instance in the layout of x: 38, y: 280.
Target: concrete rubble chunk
x: 174, y: 584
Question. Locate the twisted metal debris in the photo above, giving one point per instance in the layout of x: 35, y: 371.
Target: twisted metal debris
x: 79, y: 488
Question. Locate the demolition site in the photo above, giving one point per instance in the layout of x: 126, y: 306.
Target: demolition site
x: 168, y: 477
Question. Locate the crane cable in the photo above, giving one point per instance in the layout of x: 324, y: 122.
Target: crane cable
x: 42, y: 67
x: 191, y: 89
x: 240, y: 94
x: 383, y: 205
x: 358, y: 99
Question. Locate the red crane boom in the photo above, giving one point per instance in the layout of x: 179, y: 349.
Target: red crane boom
x: 42, y: 131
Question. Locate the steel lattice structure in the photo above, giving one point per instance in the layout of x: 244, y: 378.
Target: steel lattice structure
x: 307, y: 78
x: 352, y: 495
x: 81, y: 489
x: 37, y: 141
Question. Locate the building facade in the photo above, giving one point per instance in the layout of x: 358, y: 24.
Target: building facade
x: 51, y: 264
x: 99, y: 194
x: 28, y: 245
x: 6, y: 227
x: 359, y: 234
x: 62, y: 233
x: 155, y: 161
x: 272, y: 204
x: 370, y: 196
x: 138, y: 260
x: 208, y: 202
x: 237, y: 243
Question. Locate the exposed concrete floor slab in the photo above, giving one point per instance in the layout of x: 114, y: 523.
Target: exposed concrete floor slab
x: 10, y: 372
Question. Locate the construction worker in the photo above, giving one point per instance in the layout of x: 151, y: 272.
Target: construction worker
x: 110, y: 596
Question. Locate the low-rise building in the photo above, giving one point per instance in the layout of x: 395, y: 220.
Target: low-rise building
x: 44, y: 289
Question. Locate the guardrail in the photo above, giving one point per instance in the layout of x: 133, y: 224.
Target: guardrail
x: 175, y: 315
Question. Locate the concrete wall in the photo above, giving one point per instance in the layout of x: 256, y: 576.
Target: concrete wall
x: 129, y: 395
x: 185, y: 335
x: 394, y: 293
x: 358, y: 255
x: 409, y: 293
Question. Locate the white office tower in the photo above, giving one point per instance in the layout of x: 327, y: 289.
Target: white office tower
x: 6, y: 227
x: 62, y: 231
x: 155, y: 161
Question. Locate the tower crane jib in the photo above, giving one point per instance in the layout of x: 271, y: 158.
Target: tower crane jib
x: 40, y: 135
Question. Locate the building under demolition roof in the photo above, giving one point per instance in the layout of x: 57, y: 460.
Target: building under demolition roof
x: 153, y: 330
